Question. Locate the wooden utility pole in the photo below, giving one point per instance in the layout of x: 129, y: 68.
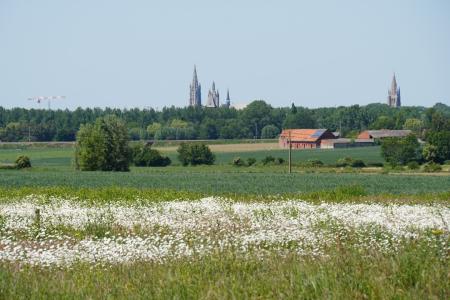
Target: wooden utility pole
x: 290, y: 154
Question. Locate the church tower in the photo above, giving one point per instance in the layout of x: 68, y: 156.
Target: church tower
x: 195, y: 98
x: 394, y: 99
x: 213, y: 97
x: 228, y: 101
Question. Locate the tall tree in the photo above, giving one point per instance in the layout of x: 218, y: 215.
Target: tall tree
x: 103, y: 146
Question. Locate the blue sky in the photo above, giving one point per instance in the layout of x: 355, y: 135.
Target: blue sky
x: 141, y: 53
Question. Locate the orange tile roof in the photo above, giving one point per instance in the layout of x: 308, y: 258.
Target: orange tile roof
x: 307, y: 135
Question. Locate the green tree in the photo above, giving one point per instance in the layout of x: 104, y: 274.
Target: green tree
x: 437, y: 148
x: 437, y: 136
x: 256, y: 115
x: 270, y: 132
x: 144, y: 156
x: 430, y: 152
x: 400, y: 151
x: 415, y: 125
x: 208, y: 130
x: 153, y: 128
x: 195, y: 154
x: 293, y: 109
x: 300, y: 119
x: 383, y: 122
x: 177, y: 123
x: 23, y: 162
x: 90, y: 152
x: 134, y: 133
x: 235, y: 128
x: 103, y: 146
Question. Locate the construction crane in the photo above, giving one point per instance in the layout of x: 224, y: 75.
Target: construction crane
x: 39, y: 99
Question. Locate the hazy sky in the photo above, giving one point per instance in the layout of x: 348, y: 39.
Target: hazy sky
x: 141, y: 53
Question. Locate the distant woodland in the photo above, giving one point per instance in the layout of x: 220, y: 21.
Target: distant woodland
x: 257, y: 120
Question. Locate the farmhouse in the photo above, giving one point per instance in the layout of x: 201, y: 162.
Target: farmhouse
x: 345, y: 143
x: 384, y: 133
x: 304, y: 138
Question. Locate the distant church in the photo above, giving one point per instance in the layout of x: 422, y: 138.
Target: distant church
x: 213, y: 97
x: 196, y: 91
x: 394, y: 99
x: 195, y: 98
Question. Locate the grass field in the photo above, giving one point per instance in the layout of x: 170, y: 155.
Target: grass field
x: 220, y: 232
x: 62, y: 157
x: 217, y: 181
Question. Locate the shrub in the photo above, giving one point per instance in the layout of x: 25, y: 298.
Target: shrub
x: 23, y: 162
x: 372, y: 164
x: 251, y: 161
x: 144, y: 156
x: 238, y: 162
x: 398, y: 168
x: 344, y: 162
x: 432, y: 167
x: 314, y: 163
x: 195, y: 154
x: 447, y: 162
x: 268, y: 159
x: 103, y: 146
x: 358, y: 163
x: 350, y: 162
x: 413, y: 165
x: 279, y: 160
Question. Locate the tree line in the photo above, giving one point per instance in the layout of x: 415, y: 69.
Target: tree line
x: 104, y: 145
x: 257, y: 120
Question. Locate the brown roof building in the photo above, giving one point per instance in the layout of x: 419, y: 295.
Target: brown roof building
x: 304, y: 138
x: 384, y: 133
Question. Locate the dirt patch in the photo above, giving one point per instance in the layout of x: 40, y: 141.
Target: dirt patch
x: 231, y: 147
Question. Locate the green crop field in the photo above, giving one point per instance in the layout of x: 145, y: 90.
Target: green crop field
x: 53, y: 167
x: 215, y: 180
x: 327, y: 156
x: 62, y: 157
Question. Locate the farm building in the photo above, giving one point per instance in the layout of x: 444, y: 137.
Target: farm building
x: 304, y: 138
x: 345, y: 143
x: 384, y: 133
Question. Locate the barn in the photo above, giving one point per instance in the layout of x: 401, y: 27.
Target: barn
x: 384, y: 133
x: 345, y: 143
x: 304, y: 138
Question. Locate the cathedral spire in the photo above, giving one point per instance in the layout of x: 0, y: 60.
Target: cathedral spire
x: 228, y: 101
x: 394, y: 85
x: 213, y: 97
x: 195, y: 98
x: 194, y: 77
x: 394, y: 94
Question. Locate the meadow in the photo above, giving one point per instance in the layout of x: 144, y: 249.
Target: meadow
x: 220, y: 231
x: 68, y: 247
